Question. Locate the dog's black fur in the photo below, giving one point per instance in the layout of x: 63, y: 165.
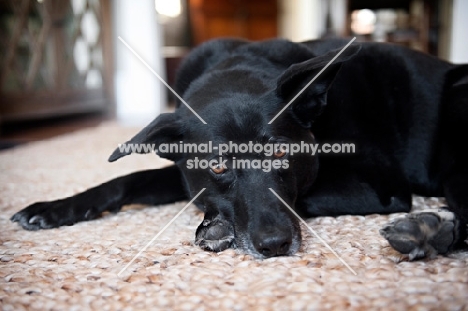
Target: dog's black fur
x: 406, y: 113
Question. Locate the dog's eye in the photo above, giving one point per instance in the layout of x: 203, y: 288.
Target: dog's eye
x: 281, y: 151
x: 218, y: 168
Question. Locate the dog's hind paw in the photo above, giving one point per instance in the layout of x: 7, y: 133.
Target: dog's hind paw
x: 422, y: 234
x: 214, y: 235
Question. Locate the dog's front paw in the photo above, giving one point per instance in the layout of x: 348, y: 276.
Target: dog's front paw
x: 53, y: 214
x: 214, y: 235
x: 42, y: 215
x: 422, y: 234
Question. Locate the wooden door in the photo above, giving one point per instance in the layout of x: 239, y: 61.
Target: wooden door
x: 249, y: 19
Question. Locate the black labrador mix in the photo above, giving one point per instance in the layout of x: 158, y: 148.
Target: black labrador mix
x: 405, y: 112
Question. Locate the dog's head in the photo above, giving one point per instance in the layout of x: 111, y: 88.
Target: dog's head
x: 239, y: 155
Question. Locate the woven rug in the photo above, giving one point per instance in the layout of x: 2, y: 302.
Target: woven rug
x: 76, y: 267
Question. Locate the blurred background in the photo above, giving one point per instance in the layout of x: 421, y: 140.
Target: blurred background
x: 63, y: 68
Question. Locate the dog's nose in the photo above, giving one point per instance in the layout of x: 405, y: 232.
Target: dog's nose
x: 270, y: 245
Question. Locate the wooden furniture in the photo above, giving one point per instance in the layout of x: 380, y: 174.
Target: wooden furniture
x: 253, y: 20
x: 55, y: 58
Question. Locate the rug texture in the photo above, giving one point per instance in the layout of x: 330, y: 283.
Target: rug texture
x: 76, y: 267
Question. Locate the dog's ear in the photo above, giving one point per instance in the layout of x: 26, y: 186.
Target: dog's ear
x: 166, y: 128
x: 312, y: 100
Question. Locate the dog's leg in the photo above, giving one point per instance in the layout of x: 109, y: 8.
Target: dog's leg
x: 152, y: 187
x: 215, y: 233
x: 431, y: 232
x: 423, y: 234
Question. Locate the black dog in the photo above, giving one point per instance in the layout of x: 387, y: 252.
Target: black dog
x: 405, y: 112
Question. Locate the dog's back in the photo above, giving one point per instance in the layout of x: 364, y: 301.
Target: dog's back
x: 390, y: 98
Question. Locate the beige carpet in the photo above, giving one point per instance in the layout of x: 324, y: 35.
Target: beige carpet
x: 75, y: 268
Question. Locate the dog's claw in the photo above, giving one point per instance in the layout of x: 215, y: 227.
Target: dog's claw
x: 35, y: 219
x: 423, y: 234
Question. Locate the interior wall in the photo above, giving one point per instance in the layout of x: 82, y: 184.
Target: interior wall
x: 140, y: 96
x: 300, y: 20
x: 459, y: 37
